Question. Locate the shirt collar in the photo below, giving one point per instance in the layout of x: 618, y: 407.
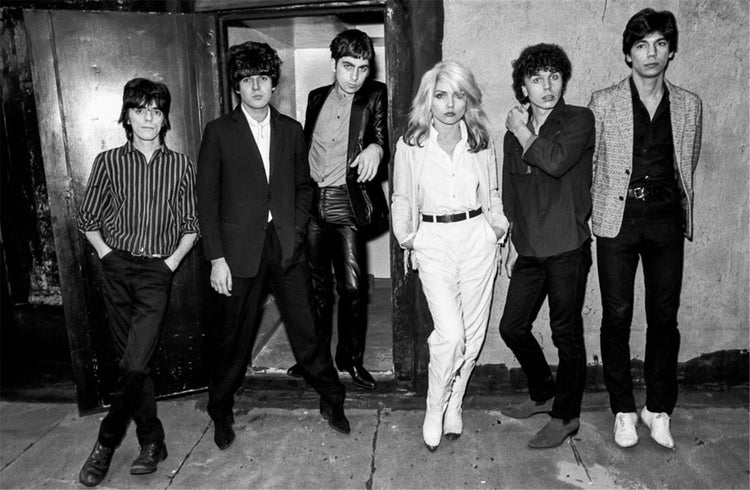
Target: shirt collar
x: 129, y: 147
x: 257, y: 124
x: 340, y: 95
x: 461, y: 124
x: 558, y: 107
x: 634, y: 90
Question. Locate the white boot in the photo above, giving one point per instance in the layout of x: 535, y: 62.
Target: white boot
x: 453, y: 424
x: 437, y: 401
x: 432, y: 428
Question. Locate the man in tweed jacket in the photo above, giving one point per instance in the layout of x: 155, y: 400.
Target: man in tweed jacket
x: 648, y: 136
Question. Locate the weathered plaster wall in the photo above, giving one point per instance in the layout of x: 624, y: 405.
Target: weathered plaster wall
x: 713, y: 62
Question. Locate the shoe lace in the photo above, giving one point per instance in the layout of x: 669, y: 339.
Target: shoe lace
x: 620, y: 422
x: 149, y: 450
x: 662, y: 419
x: 100, y: 454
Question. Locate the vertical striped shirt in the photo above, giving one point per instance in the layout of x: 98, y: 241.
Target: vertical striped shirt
x: 140, y: 207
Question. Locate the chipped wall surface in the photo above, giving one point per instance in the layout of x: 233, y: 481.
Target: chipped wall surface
x: 712, y: 60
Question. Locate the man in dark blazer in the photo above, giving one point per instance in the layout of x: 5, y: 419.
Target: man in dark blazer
x: 254, y: 194
x: 347, y: 139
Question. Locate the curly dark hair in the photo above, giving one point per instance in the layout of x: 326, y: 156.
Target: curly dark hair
x: 644, y: 23
x: 249, y: 59
x: 536, y: 58
x: 354, y: 43
x: 142, y: 92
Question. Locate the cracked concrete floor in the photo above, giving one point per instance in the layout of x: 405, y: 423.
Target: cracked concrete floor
x: 44, y: 444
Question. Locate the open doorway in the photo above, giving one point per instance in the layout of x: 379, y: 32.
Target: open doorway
x: 302, y: 42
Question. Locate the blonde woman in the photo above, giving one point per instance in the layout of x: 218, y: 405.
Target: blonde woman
x: 448, y: 216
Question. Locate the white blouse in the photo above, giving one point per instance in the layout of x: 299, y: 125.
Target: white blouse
x: 448, y: 184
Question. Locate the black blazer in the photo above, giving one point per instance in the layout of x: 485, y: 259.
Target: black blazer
x: 234, y: 196
x: 368, y: 124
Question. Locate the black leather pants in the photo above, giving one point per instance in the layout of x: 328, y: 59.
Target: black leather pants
x: 333, y: 239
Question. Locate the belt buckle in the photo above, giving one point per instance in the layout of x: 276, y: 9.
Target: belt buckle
x: 640, y: 193
x: 139, y: 254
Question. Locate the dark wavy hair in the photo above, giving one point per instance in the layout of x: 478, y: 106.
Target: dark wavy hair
x: 249, y: 59
x: 536, y: 58
x: 354, y: 43
x: 140, y: 93
x: 644, y: 23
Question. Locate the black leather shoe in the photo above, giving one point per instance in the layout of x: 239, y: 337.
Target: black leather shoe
x: 295, y: 371
x: 334, y: 413
x: 223, y: 432
x: 151, y: 455
x: 361, y: 377
x: 96, y: 466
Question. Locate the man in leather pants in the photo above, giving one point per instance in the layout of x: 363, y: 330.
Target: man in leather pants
x: 347, y: 137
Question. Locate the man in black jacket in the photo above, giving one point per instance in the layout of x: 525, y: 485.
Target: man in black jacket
x: 347, y: 138
x: 254, y: 194
x: 547, y: 154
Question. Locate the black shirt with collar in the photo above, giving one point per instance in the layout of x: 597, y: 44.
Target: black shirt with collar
x: 653, y: 148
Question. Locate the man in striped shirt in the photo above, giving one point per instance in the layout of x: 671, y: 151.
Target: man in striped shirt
x: 139, y: 215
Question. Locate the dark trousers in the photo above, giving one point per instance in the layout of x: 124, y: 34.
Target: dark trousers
x: 653, y: 233
x: 136, y: 293
x: 562, y: 279
x: 234, y: 336
x: 333, y: 239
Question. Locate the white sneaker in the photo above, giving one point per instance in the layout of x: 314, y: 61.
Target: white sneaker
x: 625, y: 433
x: 659, y: 425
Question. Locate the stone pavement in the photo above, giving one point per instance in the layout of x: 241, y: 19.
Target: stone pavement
x: 283, y: 442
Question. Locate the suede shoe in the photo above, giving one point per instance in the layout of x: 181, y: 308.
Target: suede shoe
x: 295, y: 371
x: 334, y: 414
x: 658, y: 423
x: 554, y: 433
x: 625, y: 433
x: 361, y: 377
x: 96, y: 466
x: 223, y: 432
x: 527, y: 408
x: 151, y: 455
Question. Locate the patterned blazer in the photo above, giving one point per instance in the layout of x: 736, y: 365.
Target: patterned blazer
x: 613, y: 154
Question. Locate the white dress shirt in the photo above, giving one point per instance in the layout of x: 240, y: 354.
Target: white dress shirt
x: 262, y: 134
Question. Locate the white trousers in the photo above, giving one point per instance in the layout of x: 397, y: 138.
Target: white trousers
x: 457, y: 266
